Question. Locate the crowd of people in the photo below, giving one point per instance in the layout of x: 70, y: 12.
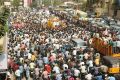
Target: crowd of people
x: 43, y: 54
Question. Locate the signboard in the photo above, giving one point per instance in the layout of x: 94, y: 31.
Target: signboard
x: 3, y: 61
x: 7, y: 3
x: 3, y: 56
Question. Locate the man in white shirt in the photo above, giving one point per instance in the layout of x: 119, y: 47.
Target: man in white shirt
x: 88, y: 76
x: 29, y: 56
x: 66, y: 53
x: 32, y: 65
x: 37, y: 72
x: 76, y: 72
x: 82, y: 63
x: 17, y: 73
x: 56, y: 69
x: 21, y: 60
x: 74, y: 52
x: 86, y: 56
x: 65, y: 66
x: 59, y: 77
x: 83, y: 69
x: 90, y: 64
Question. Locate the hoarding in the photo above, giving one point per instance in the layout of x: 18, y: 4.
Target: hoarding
x: 7, y: 3
x: 3, y: 61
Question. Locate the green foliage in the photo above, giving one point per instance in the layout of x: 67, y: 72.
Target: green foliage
x: 34, y: 4
x: 3, y: 20
x: 57, y: 2
x: 47, y: 2
x: 1, y: 2
x: 16, y: 3
x: 2, y: 31
x: 52, y: 2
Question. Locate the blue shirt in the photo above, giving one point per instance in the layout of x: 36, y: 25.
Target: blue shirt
x: 45, y: 59
x: 21, y: 69
x: 111, y: 78
x: 99, y: 77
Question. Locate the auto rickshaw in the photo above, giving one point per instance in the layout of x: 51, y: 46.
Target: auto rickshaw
x: 112, y: 63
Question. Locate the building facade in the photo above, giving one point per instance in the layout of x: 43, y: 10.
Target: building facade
x: 27, y: 3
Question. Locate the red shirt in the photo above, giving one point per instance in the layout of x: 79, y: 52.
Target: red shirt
x: 15, y: 67
x: 48, y: 68
x: 12, y: 63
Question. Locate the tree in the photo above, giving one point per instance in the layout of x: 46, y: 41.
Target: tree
x: 57, y: 2
x: 52, y: 2
x: 34, y: 4
x: 4, y: 14
x: 16, y: 3
x: 1, y: 2
x: 47, y: 2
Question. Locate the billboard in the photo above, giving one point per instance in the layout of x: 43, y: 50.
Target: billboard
x: 3, y: 55
x: 3, y: 61
x: 7, y: 3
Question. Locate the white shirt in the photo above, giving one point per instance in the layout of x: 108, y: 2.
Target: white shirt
x: 17, y: 73
x: 88, y: 77
x: 81, y: 63
x: 29, y: 55
x: 83, y: 69
x: 47, y: 40
x: 32, y: 65
x: 90, y: 41
x: 65, y: 66
x: 16, y: 48
x: 57, y: 46
x: 66, y: 53
x: 9, y: 75
x: 59, y: 77
x: 54, y: 55
x: 90, y: 63
x: 21, y: 59
x: 76, y: 72
x: 86, y: 55
x: 56, y: 69
x: 74, y: 52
